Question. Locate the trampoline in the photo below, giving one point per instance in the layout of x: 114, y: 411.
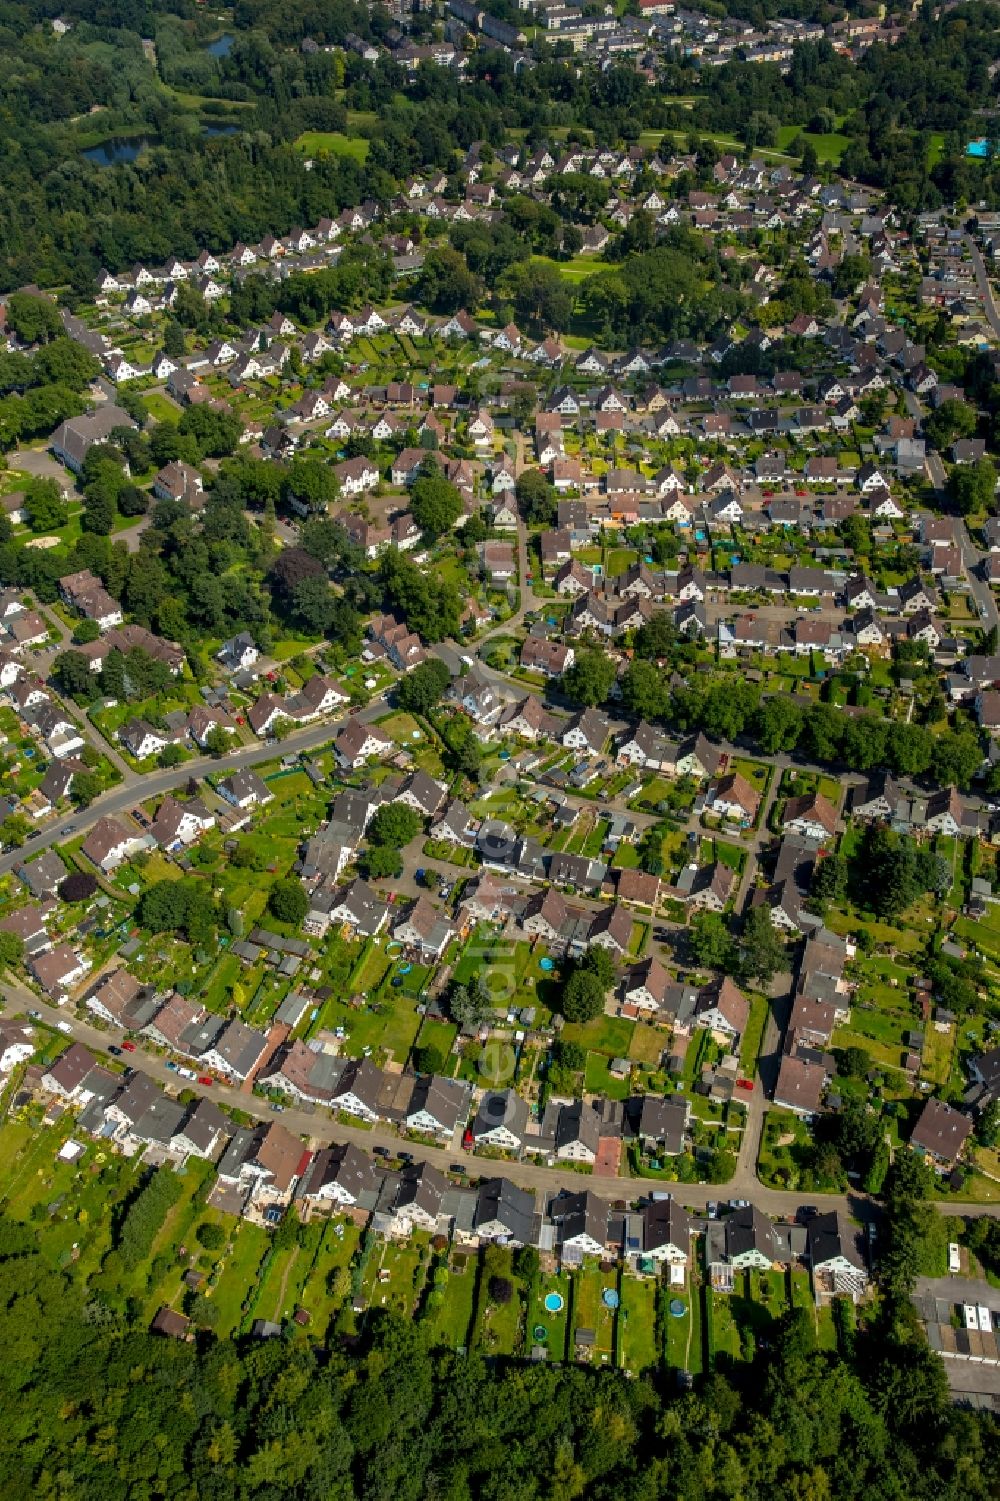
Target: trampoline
x: 404, y: 969
x: 546, y: 964
x: 396, y: 982
x: 609, y: 1297
x: 394, y: 947
x: 554, y: 1303
x: 677, y: 1309
x: 539, y: 1333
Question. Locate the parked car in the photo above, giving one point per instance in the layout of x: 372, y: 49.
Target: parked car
x: 129, y: 1047
x: 278, y: 1109
x: 115, y: 1052
x: 205, y: 1079
x: 172, y: 1067
x: 34, y: 1016
x: 187, y: 1073
x: 64, y: 1027
x: 744, y: 1084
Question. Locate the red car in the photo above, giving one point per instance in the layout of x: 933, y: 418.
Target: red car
x: 744, y: 1084
x: 205, y: 1079
x: 129, y: 1047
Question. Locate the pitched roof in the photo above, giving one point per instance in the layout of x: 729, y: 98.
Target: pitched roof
x: 941, y: 1131
x: 812, y: 807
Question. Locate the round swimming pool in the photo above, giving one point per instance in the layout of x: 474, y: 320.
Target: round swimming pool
x: 554, y: 1303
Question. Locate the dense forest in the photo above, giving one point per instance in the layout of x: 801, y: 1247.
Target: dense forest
x: 96, y: 1410
x: 907, y: 112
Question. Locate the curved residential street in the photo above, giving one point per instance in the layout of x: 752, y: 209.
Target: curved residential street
x: 321, y: 1129
x: 317, y: 1125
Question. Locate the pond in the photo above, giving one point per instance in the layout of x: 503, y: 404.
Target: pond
x: 117, y: 149
x: 222, y: 45
x: 128, y: 148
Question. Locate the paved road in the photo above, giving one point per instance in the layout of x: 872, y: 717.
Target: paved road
x: 320, y: 1129
x: 981, y: 591
x: 984, y: 285
x: 40, y: 463
x: 913, y: 407
x: 123, y: 797
x: 936, y: 472
x: 104, y: 744
x: 972, y: 558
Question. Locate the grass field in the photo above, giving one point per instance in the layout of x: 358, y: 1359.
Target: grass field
x: 318, y: 142
x: 577, y: 270
x: 684, y: 1336
x: 598, y: 1080
x: 754, y: 1035
x: 394, y: 1276
x: 589, y: 1312
x: 556, y: 1325
x: 449, y: 1322
x: 605, y: 1034
x: 647, y: 1044
x: 829, y: 148
x: 239, y: 1274
x: 159, y: 408
x: 637, y: 1342
x: 498, y: 1324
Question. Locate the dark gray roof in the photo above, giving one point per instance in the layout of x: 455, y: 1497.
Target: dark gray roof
x: 750, y: 1230
x: 500, y: 1200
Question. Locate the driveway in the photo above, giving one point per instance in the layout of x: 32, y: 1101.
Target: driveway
x: 41, y: 464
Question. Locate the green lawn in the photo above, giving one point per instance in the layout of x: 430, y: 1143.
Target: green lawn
x: 598, y: 1079
x: 589, y: 1311
x: 337, y: 1245
x: 448, y: 1323
x: 605, y: 1034
x: 684, y: 1336
x: 576, y: 270
x: 161, y: 410
x: 238, y: 1277
x: 498, y: 1324
x: 317, y: 142
x: 725, y: 1331
x: 753, y: 1036
x: 637, y: 1324
x: 829, y: 147
x: 400, y: 1288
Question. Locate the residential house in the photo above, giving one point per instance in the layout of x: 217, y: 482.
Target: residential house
x: 940, y: 1134
x: 811, y: 815
x: 501, y: 1120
